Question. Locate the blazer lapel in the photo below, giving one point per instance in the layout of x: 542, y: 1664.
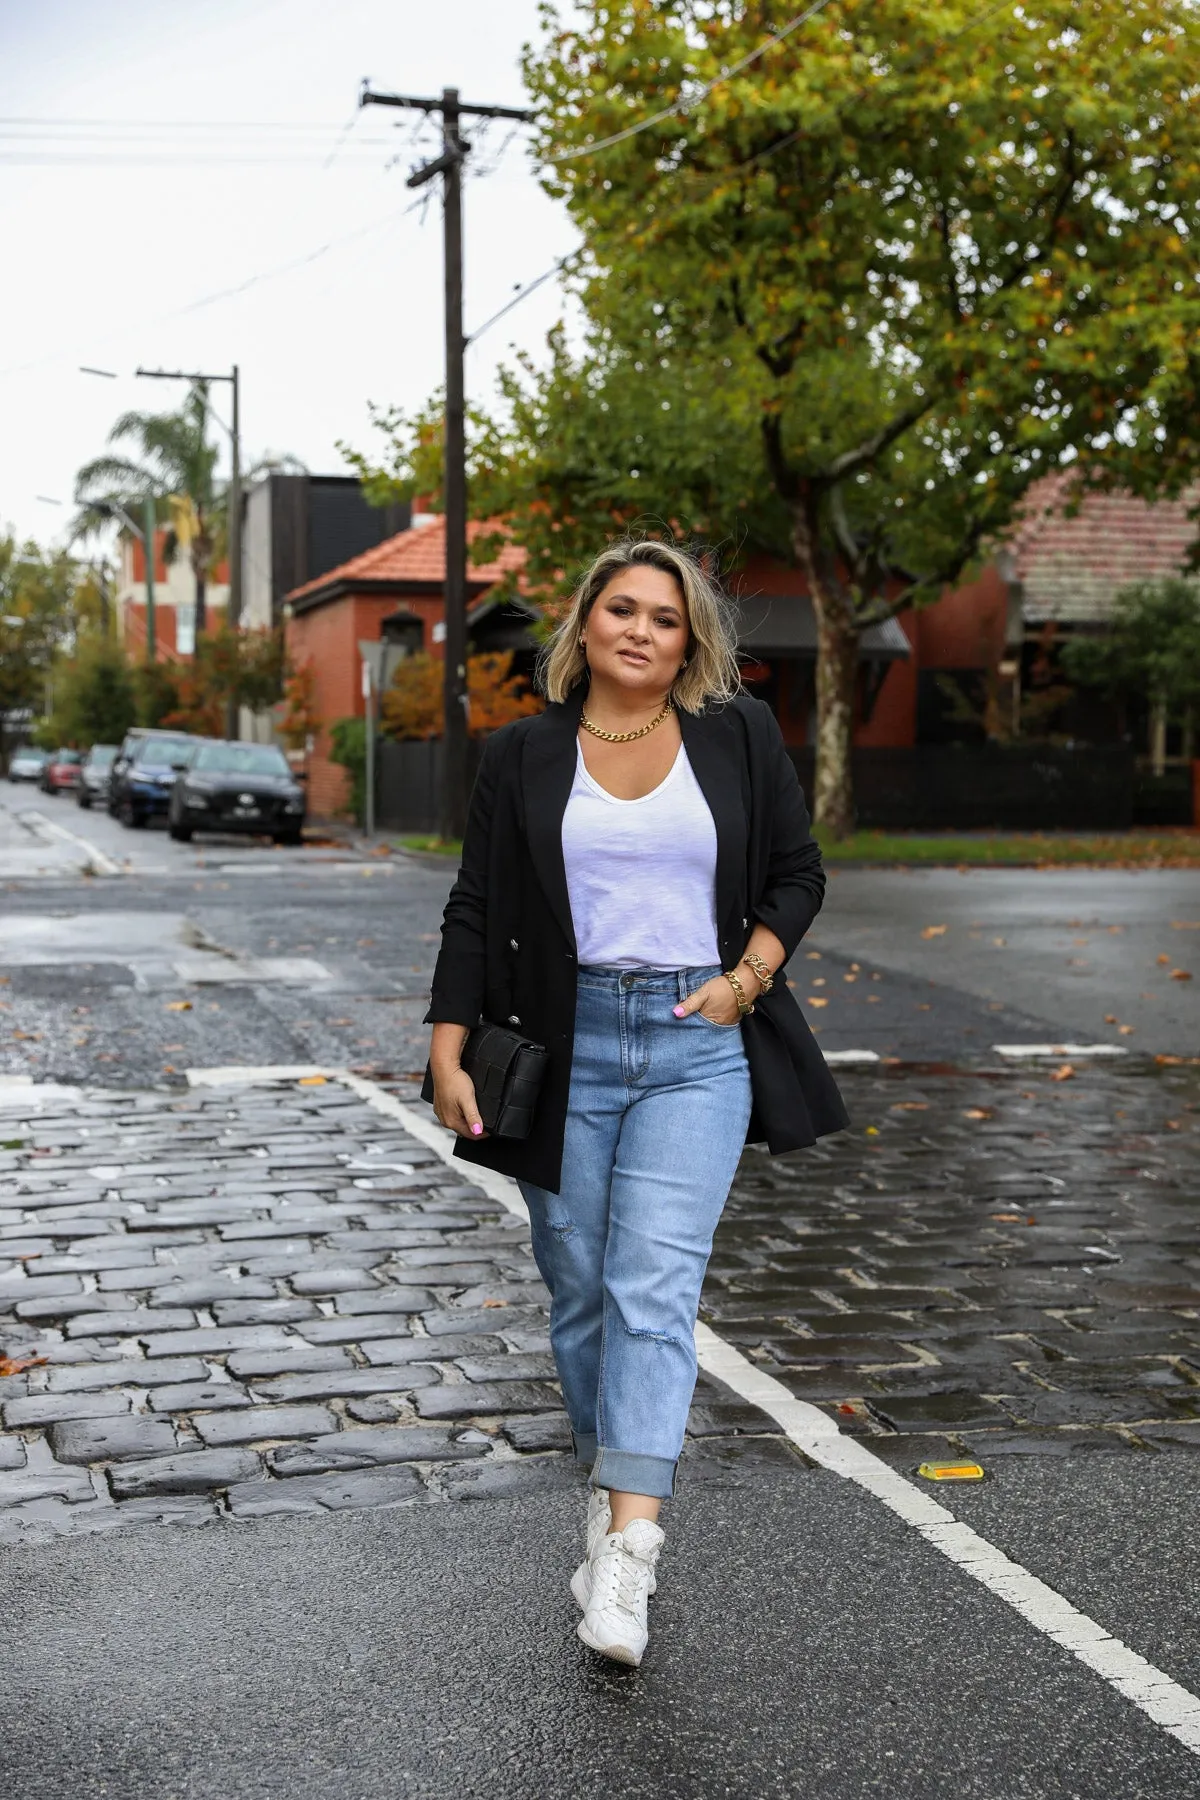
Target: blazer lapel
x: 547, y: 774
x: 715, y: 755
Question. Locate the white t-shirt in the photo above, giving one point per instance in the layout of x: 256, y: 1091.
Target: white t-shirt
x: 641, y: 874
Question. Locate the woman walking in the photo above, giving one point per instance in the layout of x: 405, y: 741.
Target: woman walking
x: 637, y: 869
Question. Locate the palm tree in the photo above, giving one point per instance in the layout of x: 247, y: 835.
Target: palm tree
x: 176, y: 470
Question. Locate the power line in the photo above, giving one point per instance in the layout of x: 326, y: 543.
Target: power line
x: 517, y: 298
x: 229, y: 293
x: 686, y: 105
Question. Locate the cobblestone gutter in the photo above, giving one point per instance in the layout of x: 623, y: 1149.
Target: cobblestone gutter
x: 998, y: 1262
x: 265, y: 1300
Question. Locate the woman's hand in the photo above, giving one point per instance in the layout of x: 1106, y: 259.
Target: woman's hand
x: 717, y: 1001
x: 454, y: 1103
x: 453, y: 1089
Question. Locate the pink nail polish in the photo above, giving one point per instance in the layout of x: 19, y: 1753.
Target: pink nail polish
x: 678, y: 1011
x: 475, y: 1130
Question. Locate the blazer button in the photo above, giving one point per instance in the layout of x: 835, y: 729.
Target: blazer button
x: 743, y: 925
x: 513, y: 1019
x: 513, y: 944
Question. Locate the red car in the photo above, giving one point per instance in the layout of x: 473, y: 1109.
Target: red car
x: 61, y: 771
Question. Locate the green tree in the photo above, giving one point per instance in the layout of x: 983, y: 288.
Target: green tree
x: 1150, y: 650
x: 174, y: 466
x: 848, y: 303
x: 38, y: 594
x: 95, y: 699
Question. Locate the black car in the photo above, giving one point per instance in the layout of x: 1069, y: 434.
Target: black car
x: 143, y: 773
x: 93, y: 776
x: 222, y: 786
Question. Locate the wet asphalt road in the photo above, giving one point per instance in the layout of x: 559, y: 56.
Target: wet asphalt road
x: 990, y: 1261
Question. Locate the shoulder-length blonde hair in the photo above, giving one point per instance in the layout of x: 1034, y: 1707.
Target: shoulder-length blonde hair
x: 712, y: 671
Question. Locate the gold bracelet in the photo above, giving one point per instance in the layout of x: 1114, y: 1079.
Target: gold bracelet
x: 744, y: 1006
x: 754, y: 961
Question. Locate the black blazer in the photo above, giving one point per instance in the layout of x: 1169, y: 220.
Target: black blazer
x: 508, y: 944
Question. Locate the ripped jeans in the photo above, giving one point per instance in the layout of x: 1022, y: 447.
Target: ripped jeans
x: 656, y: 1121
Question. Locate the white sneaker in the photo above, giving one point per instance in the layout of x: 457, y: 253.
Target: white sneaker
x: 599, y: 1524
x: 621, y: 1566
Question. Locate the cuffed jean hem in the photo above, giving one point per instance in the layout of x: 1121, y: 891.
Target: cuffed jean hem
x: 630, y: 1473
x: 585, y: 1446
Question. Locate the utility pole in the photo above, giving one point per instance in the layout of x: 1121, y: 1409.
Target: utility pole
x: 148, y: 551
x: 234, y: 612
x: 449, y: 166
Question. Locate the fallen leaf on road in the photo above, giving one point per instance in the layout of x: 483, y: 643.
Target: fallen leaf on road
x: 179, y: 1006
x: 930, y: 931
x: 16, y: 1365
x: 1169, y: 1060
x: 872, y: 1131
x: 1185, y: 924
x: 1008, y: 1218
x: 818, y: 981
x: 495, y: 1303
x: 1181, y: 974
x: 1064, y: 1072
x: 979, y: 1112
x: 1113, y: 929
x: 791, y: 983
x: 1174, y: 1125
x: 872, y: 999
x: 849, y: 977
x: 1110, y: 1018
x: 816, y: 1000
x: 909, y: 1106
x: 1126, y: 1030
x: 1000, y: 943
x: 813, y: 955
x: 311, y: 1081
x: 1164, y: 958
x: 922, y: 1006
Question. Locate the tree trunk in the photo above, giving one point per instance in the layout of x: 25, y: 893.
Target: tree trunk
x: 201, y: 603
x: 837, y: 671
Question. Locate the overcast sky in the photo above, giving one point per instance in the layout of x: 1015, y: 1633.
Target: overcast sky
x: 211, y: 172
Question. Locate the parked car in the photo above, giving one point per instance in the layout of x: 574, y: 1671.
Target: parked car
x: 60, y: 770
x: 222, y: 786
x: 94, y: 773
x: 26, y: 764
x: 143, y: 773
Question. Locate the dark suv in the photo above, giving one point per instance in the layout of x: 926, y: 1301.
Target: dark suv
x: 143, y: 774
x: 236, y: 787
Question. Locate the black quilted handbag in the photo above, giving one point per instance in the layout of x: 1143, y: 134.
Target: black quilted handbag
x: 506, y: 1070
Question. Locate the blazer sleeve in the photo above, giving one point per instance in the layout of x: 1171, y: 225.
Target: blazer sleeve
x: 795, y: 882
x: 459, y: 976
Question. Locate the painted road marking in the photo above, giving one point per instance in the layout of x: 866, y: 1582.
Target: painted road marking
x: 816, y: 1435
x: 1019, y: 1051
x: 96, y: 863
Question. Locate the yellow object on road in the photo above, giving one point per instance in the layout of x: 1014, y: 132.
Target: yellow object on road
x: 950, y: 1471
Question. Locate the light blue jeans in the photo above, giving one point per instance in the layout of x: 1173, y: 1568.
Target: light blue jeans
x: 656, y: 1121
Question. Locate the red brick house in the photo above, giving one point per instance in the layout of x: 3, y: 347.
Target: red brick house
x: 391, y: 593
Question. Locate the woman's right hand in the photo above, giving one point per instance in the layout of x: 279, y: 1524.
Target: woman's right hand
x: 454, y: 1103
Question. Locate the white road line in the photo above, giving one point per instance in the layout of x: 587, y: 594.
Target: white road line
x: 97, y: 861
x: 851, y: 1056
x: 1019, y: 1051
x: 816, y: 1435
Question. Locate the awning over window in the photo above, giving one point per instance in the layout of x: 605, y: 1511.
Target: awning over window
x: 784, y: 625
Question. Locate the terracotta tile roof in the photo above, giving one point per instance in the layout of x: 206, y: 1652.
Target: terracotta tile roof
x: 1071, y: 568
x: 418, y: 554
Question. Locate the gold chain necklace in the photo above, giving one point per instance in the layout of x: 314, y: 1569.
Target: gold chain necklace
x: 624, y: 737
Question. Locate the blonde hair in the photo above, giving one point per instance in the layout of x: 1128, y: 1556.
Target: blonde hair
x: 711, y: 673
